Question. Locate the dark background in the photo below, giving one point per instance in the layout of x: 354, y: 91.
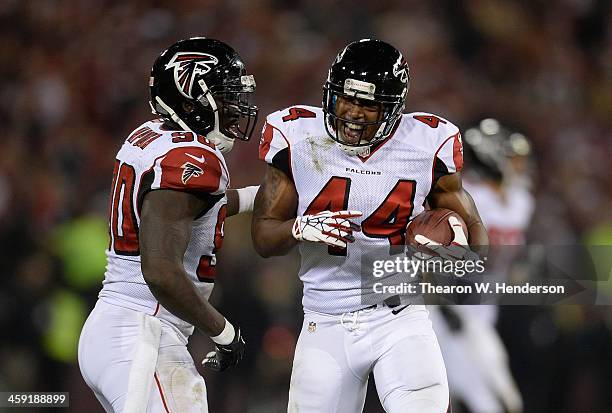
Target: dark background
x: 73, y: 84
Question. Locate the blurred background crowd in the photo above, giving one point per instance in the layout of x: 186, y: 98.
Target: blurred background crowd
x: 73, y: 84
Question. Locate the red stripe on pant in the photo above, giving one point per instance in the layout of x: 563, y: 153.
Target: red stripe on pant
x: 161, y: 393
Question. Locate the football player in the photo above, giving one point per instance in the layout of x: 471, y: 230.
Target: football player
x: 342, y: 180
x: 498, y: 179
x: 168, y: 203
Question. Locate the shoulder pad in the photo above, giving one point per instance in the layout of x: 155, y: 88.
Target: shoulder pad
x: 433, y: 126
x: 192, y: 169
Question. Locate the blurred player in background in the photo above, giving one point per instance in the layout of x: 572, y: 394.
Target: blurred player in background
x: 341, y: 181
x: 498, y: 179
x: 168, y: 204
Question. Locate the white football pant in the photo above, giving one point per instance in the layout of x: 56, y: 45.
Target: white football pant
x: 335, y: 355
x: 476, y: 360
x: 136, y: 363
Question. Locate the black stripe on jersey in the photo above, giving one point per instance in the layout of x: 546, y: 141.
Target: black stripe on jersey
x: 207, y: 280
x: 211, y: 201
x: 145, y: 186
x: 440, y: 170
x: 281, y: 161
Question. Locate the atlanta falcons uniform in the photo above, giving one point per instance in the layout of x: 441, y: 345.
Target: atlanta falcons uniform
x: 476, y: 360
x: 342, y: 339
x: 149, y: 368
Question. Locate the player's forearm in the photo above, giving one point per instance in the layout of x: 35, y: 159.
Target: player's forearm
x: 449, y: 193
x: 233, y: 202
x: 272, y: 237
x: 274, y: 213
x: 478, y: 238
x: 165, y: 230
x: 176, y: 293
x: 477, y: 233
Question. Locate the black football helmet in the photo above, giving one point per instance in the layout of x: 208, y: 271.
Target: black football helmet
x: 209, y: 76
x: 490, y: 147
x: 371, y: 70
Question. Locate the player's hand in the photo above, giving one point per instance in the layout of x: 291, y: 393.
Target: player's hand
x: 331, y: 228
x: 227, y: 355
x: 458, y: 250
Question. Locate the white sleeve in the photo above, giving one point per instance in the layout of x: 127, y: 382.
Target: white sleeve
x: 274, y: 148
x: 448, y: 158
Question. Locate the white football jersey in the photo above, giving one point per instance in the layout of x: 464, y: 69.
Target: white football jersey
x: 153, y: 157
x: 389, y: 186
x: 506, y: 214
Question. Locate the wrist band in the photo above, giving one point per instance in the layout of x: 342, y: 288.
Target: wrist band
x: 246, y: 198
x: 226, y: 336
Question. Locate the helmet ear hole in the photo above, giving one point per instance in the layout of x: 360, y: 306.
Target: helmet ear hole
x: 187, y: 107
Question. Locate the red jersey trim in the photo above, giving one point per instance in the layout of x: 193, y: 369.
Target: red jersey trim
x: 457, y: 153
x: 288, y: 147
x: 433, y: 164
x: 266, y: 141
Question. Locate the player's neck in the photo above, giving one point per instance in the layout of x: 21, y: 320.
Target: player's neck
x: 170, y: 126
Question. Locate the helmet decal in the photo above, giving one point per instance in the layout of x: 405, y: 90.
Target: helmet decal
x: 400, y: 69
x: 188, y: 65
x: 210, y: 76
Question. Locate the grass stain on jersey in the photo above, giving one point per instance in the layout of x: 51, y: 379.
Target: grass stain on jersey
x: 313, y: 152
x: 317, y: 145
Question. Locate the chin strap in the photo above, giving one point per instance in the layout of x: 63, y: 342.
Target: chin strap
x: 222, y: 142
x: 354, y: 150
x: 173, y: 114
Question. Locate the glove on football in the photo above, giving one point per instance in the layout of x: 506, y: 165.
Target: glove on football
x: 458, y: 248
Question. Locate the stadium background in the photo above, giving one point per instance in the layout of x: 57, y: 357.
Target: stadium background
x: 74, y: 81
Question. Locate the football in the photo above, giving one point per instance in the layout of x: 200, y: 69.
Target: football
x: 434, y: 225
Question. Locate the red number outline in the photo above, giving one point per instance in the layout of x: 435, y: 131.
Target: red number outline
x: 185, y: 137
x: 432, y: 121
x: 206, y: 270
x: 391, y: 217
x: 179, y: 137
x: 389, y: 220
x: 333, y: 197
x: 297, y: 113
x: 124, y: 177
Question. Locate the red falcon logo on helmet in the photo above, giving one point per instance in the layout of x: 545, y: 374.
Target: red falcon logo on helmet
x: 186, y: 66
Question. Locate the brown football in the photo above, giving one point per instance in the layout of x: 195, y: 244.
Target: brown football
x: 434, y: 225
